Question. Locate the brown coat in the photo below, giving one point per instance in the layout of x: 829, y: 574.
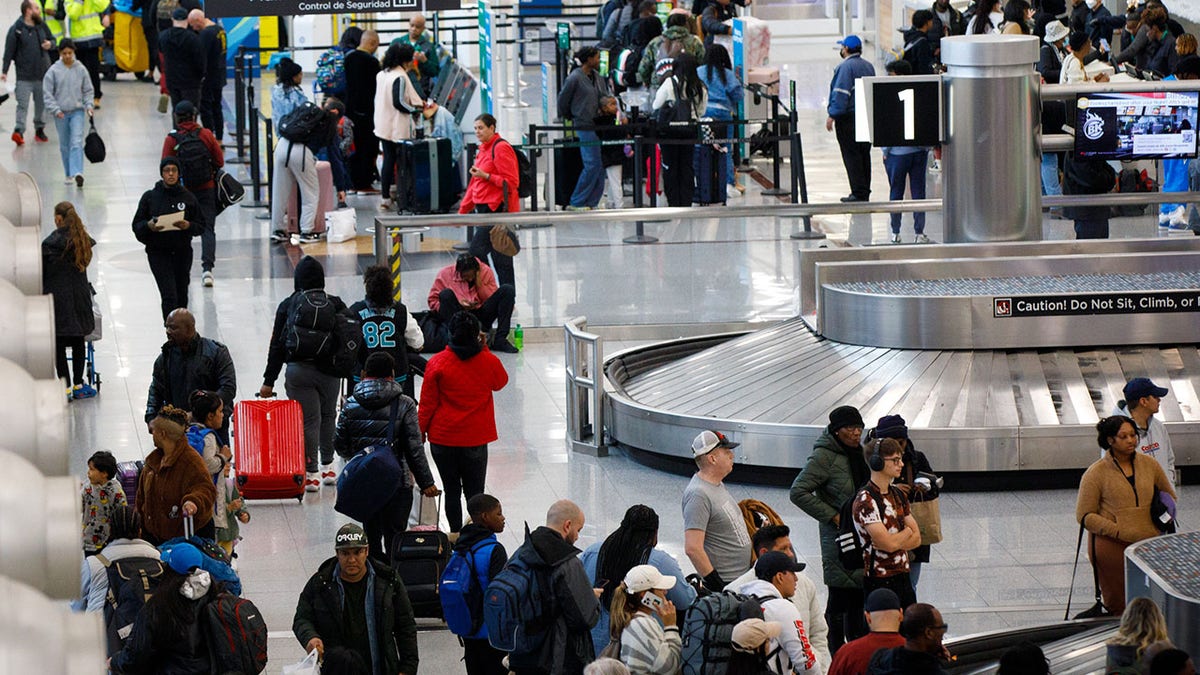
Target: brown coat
x: 167, y: 482
x: 1107, y: 505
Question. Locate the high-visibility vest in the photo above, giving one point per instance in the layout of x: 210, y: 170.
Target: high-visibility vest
x: 83, y: 19
x: 55, y: 26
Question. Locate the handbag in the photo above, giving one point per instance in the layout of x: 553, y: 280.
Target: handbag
x: 929, y: 520
x: 230, y: 190
x: 372, y: 477
x: 93, y: 145
x: 1162, y: 512
x: 341, y: 225
x: 670, y: 118
x: 504, y: 240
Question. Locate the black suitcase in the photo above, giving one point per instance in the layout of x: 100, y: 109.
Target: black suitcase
x: 426, y: 180
x: 710, y: 175
x: 568, y: 164
x: 419, y: 556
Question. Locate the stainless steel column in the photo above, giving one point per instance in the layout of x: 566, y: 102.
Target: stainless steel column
x: 991, y: 159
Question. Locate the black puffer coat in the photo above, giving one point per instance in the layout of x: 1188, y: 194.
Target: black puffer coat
x: 162, y: 200
x: 364, y: 421
x: 68, y: 284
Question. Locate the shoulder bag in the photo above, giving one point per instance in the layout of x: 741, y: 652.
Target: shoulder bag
x: 928, y: 515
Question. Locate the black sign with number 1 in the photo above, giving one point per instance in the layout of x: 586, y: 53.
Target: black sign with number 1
x: 906, y: 111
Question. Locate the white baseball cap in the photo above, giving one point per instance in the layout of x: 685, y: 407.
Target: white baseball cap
x: 646, y: 577
x: 707, y: 441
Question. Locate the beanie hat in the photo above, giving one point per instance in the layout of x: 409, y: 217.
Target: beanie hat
x: 845, y: 416
x: 891, y: 426
x: 287, y: 70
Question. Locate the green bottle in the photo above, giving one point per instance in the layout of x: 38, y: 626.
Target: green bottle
x: 519, y: 337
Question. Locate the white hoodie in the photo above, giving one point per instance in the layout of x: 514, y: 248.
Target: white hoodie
x: 811, y: 613
x: 796, y: 652
x: 1153, y: 441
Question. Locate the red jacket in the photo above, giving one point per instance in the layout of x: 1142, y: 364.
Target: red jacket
x: 456, y: 398
x: 497, y: 159
x: 209, y: 141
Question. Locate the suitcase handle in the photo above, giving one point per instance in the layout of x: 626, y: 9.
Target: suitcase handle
x: 437, y: 511
x: 189, y: 527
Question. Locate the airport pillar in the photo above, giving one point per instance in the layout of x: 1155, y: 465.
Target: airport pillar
x: 992, y: 155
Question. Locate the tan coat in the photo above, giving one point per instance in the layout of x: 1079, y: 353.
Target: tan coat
x: 166, y: 483
x: 1107, y: 505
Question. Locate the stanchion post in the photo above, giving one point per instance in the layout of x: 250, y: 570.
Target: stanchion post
x: 799, y: 180
x: 394, y: 261
x: 466, y: 245
x: 239, y: 110
x: 776, y: 160
x: 266, y: 215
x: 639, y: 162
x: 255, y: 151
x: 533, y: 165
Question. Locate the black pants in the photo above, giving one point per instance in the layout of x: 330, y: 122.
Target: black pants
x: 900, y: 584
x: 390, y: 521
x: 481, y: 247
x: 1091, y: 228
x: 856, y: 157
x: 90, y: 57
x: 387, y: 175
x: 172, y: 269
x: 678, y: 173
x: 207, y: 199
x: 78, y: 353
x: 844, y: 614
x: 497, y: 308
x: 463, y: 472
x: 191, y: 94
x: 211, y: 114
x: 366, y: 151
x: 482, y: 658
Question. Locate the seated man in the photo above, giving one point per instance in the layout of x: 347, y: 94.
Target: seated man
x: 469, y: 286
x: 439, y: 123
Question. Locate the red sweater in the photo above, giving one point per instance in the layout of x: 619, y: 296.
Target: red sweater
x: 209, y: 141
x: 497, y: 159
x: 853, y: 657
x: 456, y: 398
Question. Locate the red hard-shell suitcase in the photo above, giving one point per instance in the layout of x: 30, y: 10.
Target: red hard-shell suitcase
x: 326, y: 203
x: 269, y: 447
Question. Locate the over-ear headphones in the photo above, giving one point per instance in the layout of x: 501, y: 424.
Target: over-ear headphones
x: 874, y: 460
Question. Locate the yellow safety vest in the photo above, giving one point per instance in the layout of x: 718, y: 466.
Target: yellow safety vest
x: 55, y: 26
x: 83, y: 19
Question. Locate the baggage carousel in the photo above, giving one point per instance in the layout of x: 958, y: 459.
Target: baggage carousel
x: 1001, y: 357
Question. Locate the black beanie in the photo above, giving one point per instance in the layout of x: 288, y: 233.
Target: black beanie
x: 287, y: 70
x: 845, y: 416
x: 167, y: 161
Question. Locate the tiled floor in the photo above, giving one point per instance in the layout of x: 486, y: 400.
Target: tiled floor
x: 1006, y: 560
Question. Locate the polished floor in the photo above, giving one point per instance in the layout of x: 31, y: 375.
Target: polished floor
x: 1006, y: 560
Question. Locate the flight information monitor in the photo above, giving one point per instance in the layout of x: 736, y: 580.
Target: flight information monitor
x: 1141, y: 125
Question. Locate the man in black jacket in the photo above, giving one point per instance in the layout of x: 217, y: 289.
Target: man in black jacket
x: 550, y: 549
x: 358, y: 604
x: 361, y: 69
x: 376, y: 404
x: 918, y: 47
x: 183, y: 57
x: 922, y: 630
x: 168, y: 240
x: 212, y: 45
x: 29, y: 46
x: 189, y: 362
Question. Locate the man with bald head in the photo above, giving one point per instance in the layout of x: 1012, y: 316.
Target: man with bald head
x: 212, y: 46
x: 189, y: 362
x: 361, y: 68
x: 550, y: 550
x: 425, y: 51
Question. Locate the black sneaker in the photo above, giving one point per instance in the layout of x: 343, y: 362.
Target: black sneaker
x: 310, y: 237
x: 40, y: 135
x: 503, y: 345
x: 279, y: 236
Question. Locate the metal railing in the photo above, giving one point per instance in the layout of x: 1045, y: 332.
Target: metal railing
x: 585, y: 388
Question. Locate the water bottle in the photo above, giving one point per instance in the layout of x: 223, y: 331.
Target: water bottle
x: 519, y: 337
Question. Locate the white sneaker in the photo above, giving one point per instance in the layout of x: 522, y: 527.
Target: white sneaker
x: 1177, y: 219
x: 922, y: 239
x: 329, y: 475
x: 208, y: 279
x: 896, y: 238
x: 312, y: 482
x: 732, y: 192
x: 1164, y: 219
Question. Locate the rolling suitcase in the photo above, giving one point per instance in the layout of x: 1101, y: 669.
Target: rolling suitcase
x: 426, y: 181
x: 568, y: 164
x: 128, y: 473
x: 710, y: 175
x: 269, y: 446
x: 419, y: 556
x: 326, y: 204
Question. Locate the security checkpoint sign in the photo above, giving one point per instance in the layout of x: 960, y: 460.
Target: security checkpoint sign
x: 227, y: 8
x: 901, y: 111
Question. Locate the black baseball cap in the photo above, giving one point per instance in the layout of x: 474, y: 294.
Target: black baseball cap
x: 773, y: 562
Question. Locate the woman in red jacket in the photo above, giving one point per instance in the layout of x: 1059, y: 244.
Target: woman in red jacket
x: 456, y: 411
x: 492, y: 188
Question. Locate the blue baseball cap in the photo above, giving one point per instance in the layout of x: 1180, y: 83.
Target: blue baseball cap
x: 183, y: 558
x: 851, y: 42
x: 1141, y: 387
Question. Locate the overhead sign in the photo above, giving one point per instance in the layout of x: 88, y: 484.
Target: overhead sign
x: 225, y: 8
x: 1151, y: 302
x: 902, y: 110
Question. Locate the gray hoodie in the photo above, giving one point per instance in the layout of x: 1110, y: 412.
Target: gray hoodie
x: 1153, y: 441
x: 66, y: 89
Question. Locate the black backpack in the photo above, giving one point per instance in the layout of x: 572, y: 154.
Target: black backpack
x: 525, y: 177
x: 308, y: 124
x: 195, y: 162
x: 311, y: 321
x: 671, y: 117
x: 707, y: 630
x: 346, y: 339
x: 236, y: 634
x: 131, y: 582
x: 850, y: 545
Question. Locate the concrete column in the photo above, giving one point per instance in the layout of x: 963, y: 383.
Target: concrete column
x: 992, y: 155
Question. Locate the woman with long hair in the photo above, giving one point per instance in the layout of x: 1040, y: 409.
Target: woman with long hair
x: 643, y: 624
x: 396, y: 100
x: 685, y: 88
x: 66, y: 254
x: 633, y: 543
x: 987, y: 19
x: 724, y: 94
x: 1114, y: 503
x: 1017, y: 18
x: 1142, y: 624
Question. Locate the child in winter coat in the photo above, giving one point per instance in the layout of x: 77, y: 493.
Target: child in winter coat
x: 100, y: 495
x: 611, y: 156
x: 230, y: 510
x: 208, y: 415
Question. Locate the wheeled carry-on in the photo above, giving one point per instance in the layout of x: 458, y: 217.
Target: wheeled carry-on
x: 419, y: 556
x: 426, y: 181
x: 269, y: 447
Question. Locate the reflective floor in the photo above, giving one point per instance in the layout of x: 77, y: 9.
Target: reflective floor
x: 1006, y: 560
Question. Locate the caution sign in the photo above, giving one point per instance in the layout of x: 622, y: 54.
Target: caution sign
x: 1154, y: 302
x: 223, y: 8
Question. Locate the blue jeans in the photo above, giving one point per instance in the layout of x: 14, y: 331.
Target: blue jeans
x: 1050, y: 184
x: 909, y: 166
x: 590, y: 187
x: 914, y: 573
x: 70, y: 140
x: 724, y: 131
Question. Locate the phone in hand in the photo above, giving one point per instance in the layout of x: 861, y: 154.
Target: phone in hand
x: 652, y: 601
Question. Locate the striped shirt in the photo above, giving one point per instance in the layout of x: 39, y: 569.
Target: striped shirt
x: 649, y: 649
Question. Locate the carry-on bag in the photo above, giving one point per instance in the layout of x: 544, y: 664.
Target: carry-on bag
x: 269, y: 444
x: 426, y: 180
x: 128, y: 473
x: 710, y: 175
x: 326, y: 202
x: 419, y: 556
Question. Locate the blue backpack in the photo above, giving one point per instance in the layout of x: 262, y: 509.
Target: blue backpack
x: 461, y: 589
x: 214, y: 561
x: 196, y: 435
x: 372, y: 477
x: 518, y: 606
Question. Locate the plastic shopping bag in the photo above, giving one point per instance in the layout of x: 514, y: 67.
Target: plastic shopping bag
x: 311, y: 665
x: 340, y: 225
